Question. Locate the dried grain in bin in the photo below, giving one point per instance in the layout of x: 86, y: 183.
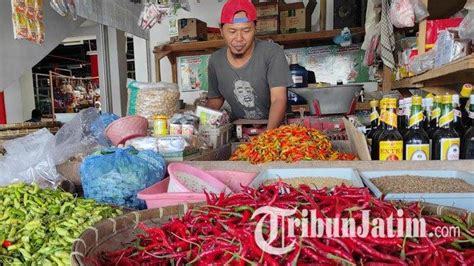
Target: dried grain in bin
x: 451, y: 199
x: 345, y: 174
x: 186, y: 178
x: 127, y: 128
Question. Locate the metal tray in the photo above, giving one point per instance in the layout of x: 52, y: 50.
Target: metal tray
x: 459, y: 200
x: 341, y: 173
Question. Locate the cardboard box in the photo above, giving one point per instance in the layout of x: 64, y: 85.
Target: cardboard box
x: 267, y: 9
x: 268, y: 25
x: 213, y: 34
x: 191, y: 29
x: 292, y: 18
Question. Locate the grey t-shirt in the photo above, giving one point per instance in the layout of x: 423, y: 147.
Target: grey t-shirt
x: 247, y: 89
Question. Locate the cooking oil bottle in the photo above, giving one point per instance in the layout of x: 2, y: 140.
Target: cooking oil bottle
x: 446, y: 141
x: 416, y: 140
x: 468, y: 142
x: 390, y: 140
x: 378, y: 131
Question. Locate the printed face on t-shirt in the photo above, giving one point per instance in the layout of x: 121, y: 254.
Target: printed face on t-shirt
x: 245, y: 93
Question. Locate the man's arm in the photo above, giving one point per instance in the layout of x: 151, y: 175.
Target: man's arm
x: 215, y: 103
x: 278, y: 98
x: 215, y: 99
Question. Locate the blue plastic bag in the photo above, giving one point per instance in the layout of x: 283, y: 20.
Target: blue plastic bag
x: 115, y: 176
x: 99, y: 126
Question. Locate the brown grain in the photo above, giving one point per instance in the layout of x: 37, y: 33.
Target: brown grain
x: 421, y: 184
x: 319, y: 182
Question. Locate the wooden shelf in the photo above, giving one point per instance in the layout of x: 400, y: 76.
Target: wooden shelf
x: 301, y: 39
x: 362, y: 106
x: 459, y: 71
x: 209, y: 46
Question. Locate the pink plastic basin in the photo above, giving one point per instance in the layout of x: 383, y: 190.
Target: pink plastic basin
x: 175, y: 185
x: 157, y: 196
x: 126, y: 128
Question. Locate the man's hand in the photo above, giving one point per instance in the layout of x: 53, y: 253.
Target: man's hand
x: 278, y: 98
x: 215, y: 103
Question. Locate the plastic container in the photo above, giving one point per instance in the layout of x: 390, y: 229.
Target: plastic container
x: 341, y: 173
x: 298, y: 73
x: 217, y: 137
x: 459, y: 200
x: 126, y: 128
x: 157, y: 196
x: 209, y: 182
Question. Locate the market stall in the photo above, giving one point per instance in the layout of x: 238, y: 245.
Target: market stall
x: 343, y: 146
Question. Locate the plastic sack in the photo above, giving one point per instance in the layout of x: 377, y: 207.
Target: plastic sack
x: 115, y: 176
x: 402, y: 14
x: 420, y: 10
x: 76, y: 136
x: 466, y: 28
x: 29, y: 159
x: 99, y: 126
x: 150, y: 99
x: 423, y: 63
x: 144, y: 143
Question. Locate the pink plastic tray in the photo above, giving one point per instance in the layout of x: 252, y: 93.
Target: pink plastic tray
x: 157, y: 196
x: 175, y: 185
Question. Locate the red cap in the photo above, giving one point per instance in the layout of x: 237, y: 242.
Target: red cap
x: 231, y: 7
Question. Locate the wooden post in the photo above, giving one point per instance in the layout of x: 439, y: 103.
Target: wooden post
x: 422, y: 33
x: 387, y: 79
x: 51, y: 83
x: 322, y: 15
x: 174, y: 68
x: 157, y: 69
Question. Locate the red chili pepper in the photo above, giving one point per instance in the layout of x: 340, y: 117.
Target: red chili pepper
x: 6, y: 243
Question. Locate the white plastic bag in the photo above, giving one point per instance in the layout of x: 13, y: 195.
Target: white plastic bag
x: 420, y: 10
x: 466, y: 28
x: 402, y: 14
x: 29, y: 159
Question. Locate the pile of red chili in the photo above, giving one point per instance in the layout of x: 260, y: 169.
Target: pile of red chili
x: 289, y: 143
x: 223, y: 232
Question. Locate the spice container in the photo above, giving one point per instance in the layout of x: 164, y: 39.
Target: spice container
x: 454, y: 199
x: 160, y: 125
x: 187, y: 129
x: 175, y: 129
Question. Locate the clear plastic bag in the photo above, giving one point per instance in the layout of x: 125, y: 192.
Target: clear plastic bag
x: 402, y: 14
x: 29, y: 159
x: 423, y: 63
x: 115, y: 176
x: 466, y: 28
x: 150, y: 99
x: 77, y: 136
x: 420, y: 10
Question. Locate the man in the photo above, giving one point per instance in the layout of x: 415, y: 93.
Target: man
x: 251, y: 75
x: 36, y: 116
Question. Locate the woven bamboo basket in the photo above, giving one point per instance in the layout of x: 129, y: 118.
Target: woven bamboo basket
x: 29, y: 125
x: 114, y: 233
